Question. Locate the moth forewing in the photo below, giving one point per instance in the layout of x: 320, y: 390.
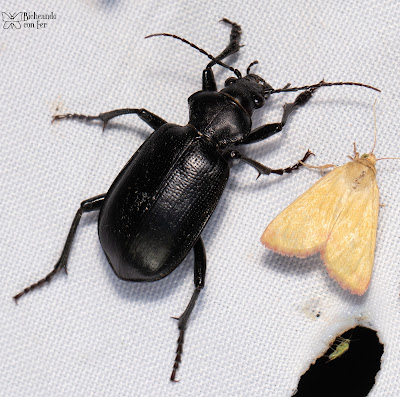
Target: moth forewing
x: 336, y: 217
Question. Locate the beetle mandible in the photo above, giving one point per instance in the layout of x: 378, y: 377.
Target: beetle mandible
x: 155, y: 210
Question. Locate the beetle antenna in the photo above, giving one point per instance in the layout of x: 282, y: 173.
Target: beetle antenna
x: 315, y: 86
x: 236, y: 71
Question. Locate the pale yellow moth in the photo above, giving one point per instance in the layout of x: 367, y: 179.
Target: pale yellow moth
x: 337, y: 217
x: 340, y: 349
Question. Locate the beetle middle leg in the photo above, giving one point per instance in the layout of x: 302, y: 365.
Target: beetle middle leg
x: 267, y: 130
x: 263, y: 169
x: 151, y: 119
x: 92, y: 204
x: 199, y: 279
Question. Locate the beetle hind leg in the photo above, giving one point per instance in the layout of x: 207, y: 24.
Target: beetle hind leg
x: 89, y: 205
x: 199, y: 278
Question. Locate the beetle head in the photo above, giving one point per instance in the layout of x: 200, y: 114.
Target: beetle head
x: 248, y: 91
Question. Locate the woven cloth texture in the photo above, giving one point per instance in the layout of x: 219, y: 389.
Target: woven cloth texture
x: 254, y: 330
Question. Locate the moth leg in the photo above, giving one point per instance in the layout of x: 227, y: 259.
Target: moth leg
x: 263, y: 169
x: 151, y: 119
x: 199, y: 279
x: 356, y: 154
x: 319, y: 167
x: 92, y: 204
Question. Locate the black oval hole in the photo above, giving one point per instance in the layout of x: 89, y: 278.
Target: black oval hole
x: 351, y: 374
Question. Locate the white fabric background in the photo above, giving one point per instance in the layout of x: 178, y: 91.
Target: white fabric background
x: 255, y: 330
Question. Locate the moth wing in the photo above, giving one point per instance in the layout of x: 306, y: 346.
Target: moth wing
x: 350, y: 249
x: 304, y: 226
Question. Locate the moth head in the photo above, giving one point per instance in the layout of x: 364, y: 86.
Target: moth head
x: 370, y: 157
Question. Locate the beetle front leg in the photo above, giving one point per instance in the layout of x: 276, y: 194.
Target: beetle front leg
x: 92, y: 204
x: 234, y: 42
x: 151, y: 119
x: 199, y: 278
x: 263, y: 169
x: 267, y: 130
x: 209, y: 83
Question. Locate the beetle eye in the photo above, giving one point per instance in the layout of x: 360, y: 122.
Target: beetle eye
x: 230, y: 81
x: 258, y: 102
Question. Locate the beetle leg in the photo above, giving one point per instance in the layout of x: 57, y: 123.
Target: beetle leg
x: 209, y: 83
x: 199, y: 278
x: 151, y: 119
x: 263, y: 169
x: 267, y: 130
x: 92, y: 204
x: 234, y: 42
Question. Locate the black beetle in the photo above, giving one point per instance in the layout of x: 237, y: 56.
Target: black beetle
x: 156, y: 209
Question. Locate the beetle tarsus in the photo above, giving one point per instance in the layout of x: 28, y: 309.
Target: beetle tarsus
x: 74, y: 116
x: 300, y: 100
x: 178, y: 357
x: 39, y: 283
x: 61, y: 264
x: 294, y: 167
x: 182, y: 325
x: 263, y: 169
x: 233, y: 45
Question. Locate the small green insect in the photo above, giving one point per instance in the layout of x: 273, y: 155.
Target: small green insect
x: 340, y: 349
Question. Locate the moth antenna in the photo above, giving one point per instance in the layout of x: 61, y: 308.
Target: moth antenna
x: 236, y: 71
x: 382, y: 158
x: 373, y: 148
